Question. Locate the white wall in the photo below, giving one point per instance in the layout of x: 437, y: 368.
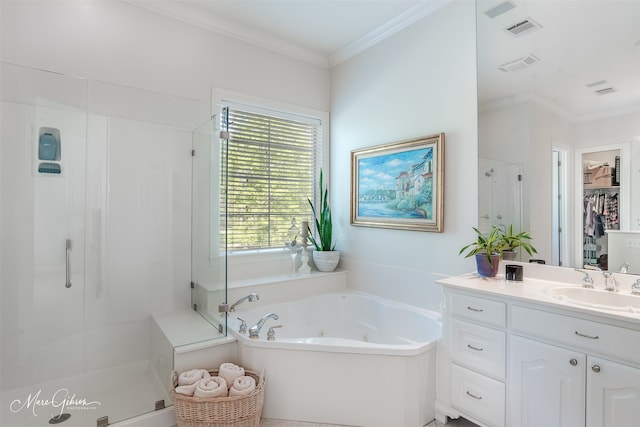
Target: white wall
x: 116, y: 42
x: 419, y: 82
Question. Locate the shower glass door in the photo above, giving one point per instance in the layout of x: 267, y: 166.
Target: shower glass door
x: 96, y: 245
x: 500, y: 194
x: 42, y: 152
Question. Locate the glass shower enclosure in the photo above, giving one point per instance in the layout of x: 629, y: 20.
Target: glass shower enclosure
x: 500, y: 189
x: 95, y: 220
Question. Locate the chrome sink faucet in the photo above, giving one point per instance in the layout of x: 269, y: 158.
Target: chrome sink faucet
x: 254, y: 331
x: 610, y: 282
x: 624, y: 268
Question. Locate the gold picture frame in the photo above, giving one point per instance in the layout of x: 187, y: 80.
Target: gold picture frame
x: 399, y: 185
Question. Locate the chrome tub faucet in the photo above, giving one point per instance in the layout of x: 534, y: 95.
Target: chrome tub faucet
x: 252, y: 297
x: 254, y: 331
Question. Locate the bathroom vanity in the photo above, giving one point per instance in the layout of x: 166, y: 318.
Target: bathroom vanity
x: 538, y: 353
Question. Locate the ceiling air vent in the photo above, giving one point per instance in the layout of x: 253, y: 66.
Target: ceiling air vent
x: 598, y: 83
x: 519, y: 64
x: 605, y: 91
x: 523, y: 27
x: 503, y: 7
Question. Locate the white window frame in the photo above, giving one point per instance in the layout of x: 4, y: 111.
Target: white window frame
x: 221, y: 98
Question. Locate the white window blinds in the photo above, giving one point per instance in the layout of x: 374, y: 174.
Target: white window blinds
x: 270, y: 164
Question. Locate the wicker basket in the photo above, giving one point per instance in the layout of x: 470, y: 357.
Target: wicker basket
x: 235, y: 411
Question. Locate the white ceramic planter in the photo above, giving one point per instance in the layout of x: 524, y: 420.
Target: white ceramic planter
x: 326, y: 260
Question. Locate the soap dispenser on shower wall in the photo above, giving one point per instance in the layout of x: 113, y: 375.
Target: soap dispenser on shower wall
x: 50, y: 150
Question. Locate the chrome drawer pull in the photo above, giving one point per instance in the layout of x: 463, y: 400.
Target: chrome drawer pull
x: 475, y: 348
x: 479, y: 310
x: 573, y: 362
x: 591, y: 337
x: 473, y: 395
x: 595, y: 368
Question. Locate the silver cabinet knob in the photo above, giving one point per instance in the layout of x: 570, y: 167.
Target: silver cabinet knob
x: 595, y: 368
x: 573, y: 362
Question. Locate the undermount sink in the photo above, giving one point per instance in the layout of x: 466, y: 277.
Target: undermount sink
x: 596, y: 298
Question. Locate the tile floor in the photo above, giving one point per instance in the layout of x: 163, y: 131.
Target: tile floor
x: 279, y: 423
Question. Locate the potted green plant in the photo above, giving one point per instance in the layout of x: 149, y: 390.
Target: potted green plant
x: 325, y: 256
x: 511, y: 241
x: 487, y: 249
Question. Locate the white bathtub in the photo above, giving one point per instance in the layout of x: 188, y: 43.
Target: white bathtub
x: 346, y: 358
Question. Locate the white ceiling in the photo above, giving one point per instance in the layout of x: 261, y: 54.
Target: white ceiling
x: 580, y: 42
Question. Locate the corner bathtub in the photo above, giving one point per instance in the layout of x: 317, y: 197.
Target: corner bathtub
x: 345, y: 358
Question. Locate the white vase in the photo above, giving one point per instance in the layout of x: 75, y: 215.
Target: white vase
x: 326, y: 260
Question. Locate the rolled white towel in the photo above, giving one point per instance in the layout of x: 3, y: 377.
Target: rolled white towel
x: 230, y: 372
x: 211, y: 387
x: 187, y: 390
x: 242, y: 386
x: 192, y: 377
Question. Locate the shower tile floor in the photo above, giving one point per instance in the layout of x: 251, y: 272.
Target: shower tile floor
x: 279, y: 423
x: 123, y: 392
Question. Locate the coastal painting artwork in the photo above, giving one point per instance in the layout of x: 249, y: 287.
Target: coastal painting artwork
x: 399, y: 185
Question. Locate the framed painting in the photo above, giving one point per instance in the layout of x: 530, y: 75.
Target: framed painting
x: 399, y: 185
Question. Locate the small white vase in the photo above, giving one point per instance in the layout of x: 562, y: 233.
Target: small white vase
x: 326, y: 260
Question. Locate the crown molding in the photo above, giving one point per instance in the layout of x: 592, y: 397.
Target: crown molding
x: 386, y: 30
x: 204, y: 19
x: 499, y: 104
x: 232, y: 29
x: 502, y: 103
x: 608, y: 114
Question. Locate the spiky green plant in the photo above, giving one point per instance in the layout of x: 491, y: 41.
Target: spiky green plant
x: 512, y: 241
x: 488, y: 244
x: 322, y: 219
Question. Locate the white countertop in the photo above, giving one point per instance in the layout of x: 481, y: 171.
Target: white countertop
x: 532, y: 290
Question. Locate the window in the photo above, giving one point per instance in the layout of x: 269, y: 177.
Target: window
x: 270, y: 164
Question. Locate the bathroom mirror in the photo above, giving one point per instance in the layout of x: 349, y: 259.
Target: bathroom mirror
x: 555, y: 80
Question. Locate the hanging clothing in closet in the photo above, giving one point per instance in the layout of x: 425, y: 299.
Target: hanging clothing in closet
x: 601, y: 213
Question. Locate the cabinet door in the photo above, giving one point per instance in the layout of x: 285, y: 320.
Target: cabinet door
x: 613, y: 394
x: 546, y: 386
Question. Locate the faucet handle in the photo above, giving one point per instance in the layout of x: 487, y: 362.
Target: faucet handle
x: 587, y: 280
x: 271, y: 334
x: 243, y: 326
x: 635, y: 288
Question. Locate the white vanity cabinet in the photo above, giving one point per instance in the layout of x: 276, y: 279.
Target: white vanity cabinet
x: 472, y: 360
x: 547, y: 385
x: 613, y: 394
x: 566, y: 384
x: 506, y: 361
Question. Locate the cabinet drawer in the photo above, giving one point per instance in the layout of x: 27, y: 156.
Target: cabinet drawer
x: 479, y: 348
x: 478, y: 396
x: 479, y: 309
x: 587, y: 335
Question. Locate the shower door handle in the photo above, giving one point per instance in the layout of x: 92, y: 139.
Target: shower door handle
x: 67, y: 246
